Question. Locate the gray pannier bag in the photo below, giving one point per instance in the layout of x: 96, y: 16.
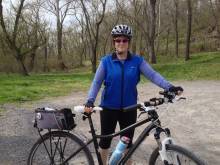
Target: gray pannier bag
x: 49, y: 118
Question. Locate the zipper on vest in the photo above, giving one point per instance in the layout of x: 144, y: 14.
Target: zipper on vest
x: 122, y: 82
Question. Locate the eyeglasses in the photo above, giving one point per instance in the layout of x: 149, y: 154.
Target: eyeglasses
x: 121, y: 40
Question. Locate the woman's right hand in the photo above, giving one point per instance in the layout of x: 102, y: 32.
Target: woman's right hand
x: 89, y: 106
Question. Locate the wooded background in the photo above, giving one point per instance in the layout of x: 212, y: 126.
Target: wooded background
x: 59, y: 35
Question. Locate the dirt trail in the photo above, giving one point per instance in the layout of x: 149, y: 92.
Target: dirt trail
x: 195, y: 123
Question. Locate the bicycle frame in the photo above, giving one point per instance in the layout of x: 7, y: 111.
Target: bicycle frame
x: 153, y: 118
x: 141, y: 137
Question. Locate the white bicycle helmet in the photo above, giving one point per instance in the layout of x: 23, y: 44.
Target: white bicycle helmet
x: 122, y: 30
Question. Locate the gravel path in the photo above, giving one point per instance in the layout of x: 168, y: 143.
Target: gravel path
x: 195, y: 123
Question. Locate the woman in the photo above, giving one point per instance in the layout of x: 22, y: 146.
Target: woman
x: 120, y: 71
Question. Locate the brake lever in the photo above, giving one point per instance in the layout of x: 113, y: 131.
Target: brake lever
x: 180, y: 98
x: 141, y: 114
x: 84, y: 117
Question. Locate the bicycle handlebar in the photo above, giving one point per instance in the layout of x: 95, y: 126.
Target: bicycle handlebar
x: 168, y: 97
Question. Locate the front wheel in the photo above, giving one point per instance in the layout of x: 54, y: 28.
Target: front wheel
x: 178, y: 155
x: 57, y: 146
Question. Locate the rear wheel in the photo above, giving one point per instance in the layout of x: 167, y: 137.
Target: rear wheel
x: 57, y: 146
x: 177, y: 155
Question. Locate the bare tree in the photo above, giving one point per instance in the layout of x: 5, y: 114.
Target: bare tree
x: 106, y: 37
x: 37, y: 29
x: 135, y: 12
x: 60, y: 9
x: 215, y: 9
x: 15, y: 40
x: 189, y: 27
x: 93, y: 25
x: 82, y: 38
x: 138, y: 20
x: 11, y: 40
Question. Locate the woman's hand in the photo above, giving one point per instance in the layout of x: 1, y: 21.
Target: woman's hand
x: 178, y: 90
x: 89, y: 106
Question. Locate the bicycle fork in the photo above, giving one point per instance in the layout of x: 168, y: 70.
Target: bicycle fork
x: 165, y: 157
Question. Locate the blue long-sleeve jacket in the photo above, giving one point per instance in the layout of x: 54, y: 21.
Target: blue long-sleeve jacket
x: 121, y: 79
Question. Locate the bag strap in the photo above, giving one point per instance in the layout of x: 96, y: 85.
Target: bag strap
x: 56, y: 121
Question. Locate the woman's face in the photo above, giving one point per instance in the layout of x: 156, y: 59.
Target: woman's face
x: 121, y: 44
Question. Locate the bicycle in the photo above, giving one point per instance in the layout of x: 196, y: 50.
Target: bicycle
x: 65, y: 148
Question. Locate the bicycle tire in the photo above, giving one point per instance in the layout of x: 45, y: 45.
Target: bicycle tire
x: 59, y: 146
x: 181, y: 153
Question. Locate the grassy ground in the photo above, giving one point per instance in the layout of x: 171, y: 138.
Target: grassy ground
x: 203, y: 66
x: 16, y: 88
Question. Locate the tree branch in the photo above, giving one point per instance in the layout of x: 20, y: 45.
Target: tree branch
x: 18, y: 15
x: 3, y: 26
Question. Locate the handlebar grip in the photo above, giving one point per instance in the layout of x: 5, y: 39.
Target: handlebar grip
x: 81, y: 109
x: 97, y: 109
x: 154, y: 102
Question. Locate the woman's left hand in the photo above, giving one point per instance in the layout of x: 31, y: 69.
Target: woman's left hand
x: 178, y: 90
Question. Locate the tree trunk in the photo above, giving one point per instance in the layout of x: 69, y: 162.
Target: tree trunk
x: 176, y: 28
x: 20, y: 61
x: 93, y: 34
x: 94, y: 50
x: 134, y: 40
x: 93, y: 60
x: 167, y: 42
x: 46, y: 69
x: 189, y: 26
x: 3, y: 46
x: 61, y: 64
x: 158, y: 29
x: 141, y: 47
x: 152, y: 54
x: 152, y: 31
x: 32, y: 61
x: 81, y: 57
x: 135, y: 27
x: 105, y: 45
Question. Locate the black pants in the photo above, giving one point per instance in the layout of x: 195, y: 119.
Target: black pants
x: 109, y: 119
